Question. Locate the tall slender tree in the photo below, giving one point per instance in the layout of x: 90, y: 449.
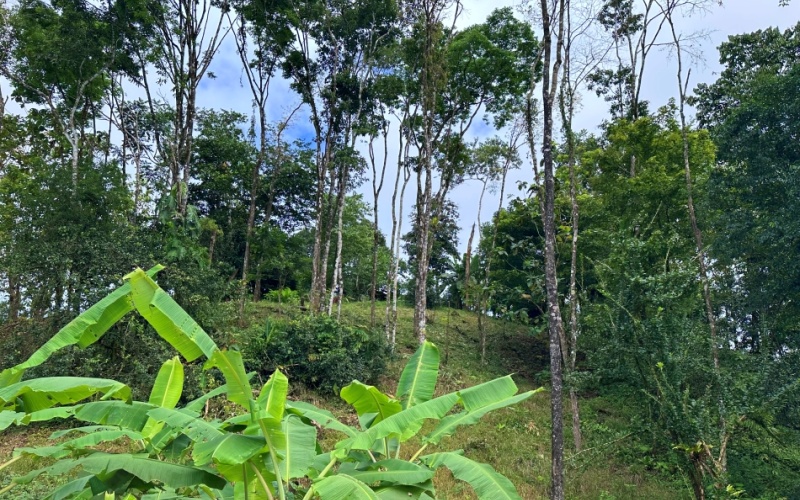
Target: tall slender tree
x: 553, y: 14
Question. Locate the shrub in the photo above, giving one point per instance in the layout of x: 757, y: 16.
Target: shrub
x: 284, y: 296
x: 318, y: 351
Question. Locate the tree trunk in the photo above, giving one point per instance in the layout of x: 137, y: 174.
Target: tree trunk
x: 468, y: 268
x: 720, y: 464
x: 377, y: 187
x: 570, y: 346
x: 337, y: 284
x: 549, y: 87
x: 394, y: 246
x: 423, y: 257
x: 14, y: 301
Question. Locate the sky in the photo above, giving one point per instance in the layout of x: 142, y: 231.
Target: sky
x: 229, y: 90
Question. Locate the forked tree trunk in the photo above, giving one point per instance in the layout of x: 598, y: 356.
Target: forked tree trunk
x: 377, y: 187
x: 337, y: 287
x: 550, y: 74
x: 397, y: 230
x: 570, y: 345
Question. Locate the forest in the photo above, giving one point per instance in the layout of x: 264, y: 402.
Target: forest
x: 617, y: 324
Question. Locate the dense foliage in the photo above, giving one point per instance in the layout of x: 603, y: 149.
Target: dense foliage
x: 317, y: 351
x: 669, y: 247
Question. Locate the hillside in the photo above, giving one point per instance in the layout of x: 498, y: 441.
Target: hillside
x: 615, y: 462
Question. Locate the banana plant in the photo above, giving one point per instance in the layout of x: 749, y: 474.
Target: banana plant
x: 367, y: 462
x: 268, y: 450
x: 214, y: 459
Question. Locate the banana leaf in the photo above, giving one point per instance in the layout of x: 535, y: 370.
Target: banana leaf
x: 418, y: 380
x: 367, y: 399
x: 487, y: 393
x: 487, y: 482
x: 84, y: 330
x: 301, y: 448
x: 343, y: 487
x: 166, y: 392
x: 272, y: 398
x: 43, y: 393
x: 68, y: 447
x: 323, y: 418
x: 146, y: 469
x: 399, y: 422
x: 131, y: 416
x: 393, y: 471
x: 169, y: 320
x: 232, y: 368
x: 450, y: 423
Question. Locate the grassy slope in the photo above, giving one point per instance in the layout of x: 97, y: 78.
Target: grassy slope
x: 515, y: 441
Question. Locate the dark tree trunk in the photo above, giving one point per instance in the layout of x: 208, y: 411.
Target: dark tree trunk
x: 549, y: 86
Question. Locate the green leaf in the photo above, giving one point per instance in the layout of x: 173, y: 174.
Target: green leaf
x: 168, y: 387
x: 146, y: 469
x: 399, y: 422
x: 42, y: 393
x: 131, y: 416
x: 487, y: 482
x: 393, y: 471
x: 84, y: 330
x: 72, y: 489
x: 343, y: 487
x: 9, y: 418
x: 232, y: 368
x: 169, y: 320
x: 188, y: 423
x: 53, y: 413
x: 68, y: 447
x: 401, y: 492
x: 199, y: 403
x: 418, y: 380
x: 272, y: 398
x: 323, y: 418
x: 367, y: 399
x: 301, y: 448
x: 228, y: 449
x: 449, y: 424
x: 487, y: 393
x: 86, y: 429
x: 166, y: 391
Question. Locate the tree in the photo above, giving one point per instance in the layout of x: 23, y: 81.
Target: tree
x: 60, y: 56
x: 553, y: 33
x: 331, y: 64
x: 459, y: 74
x: 491, y: 162
x: 187, y: 36
x: 442, y: 254
x: 752, y: 111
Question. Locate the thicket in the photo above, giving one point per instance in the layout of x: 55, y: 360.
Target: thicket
x: 318, y: 351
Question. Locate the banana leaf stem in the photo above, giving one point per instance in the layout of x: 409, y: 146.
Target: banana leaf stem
x: 262, y: 481
x: 418, y: 453
x: 322, y: 474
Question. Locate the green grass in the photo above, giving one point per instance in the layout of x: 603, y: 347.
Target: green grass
x: 515, y: 441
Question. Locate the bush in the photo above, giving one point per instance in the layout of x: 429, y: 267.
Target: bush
x: 284, y: 296
x: 318, y: 351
